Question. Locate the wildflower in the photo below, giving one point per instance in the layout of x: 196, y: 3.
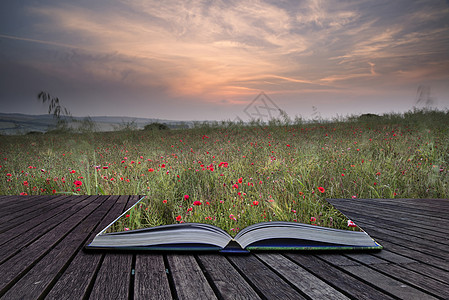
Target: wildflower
x: 150, y: 170
x: 164, y: 201
x: 321, y: 189
x: 312, y: 219
x: 25, y: 183
x: 240, y: 179
x: 23, y: 194
x: 126, y: 228
x: 72, y: 172
x: 223, y: 164
x: 178, y: 218
x: 231, y: 216
x: 105, y: 167
x: 236, y: 186
x: 255, y: 202
x: 127, y: 216
x: 186, y: 197
x: 9, y: 175
x: 197, y: 203
x: 77, y: 183
x: 351, y: 224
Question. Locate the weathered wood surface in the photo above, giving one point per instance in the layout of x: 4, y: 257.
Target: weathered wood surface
x: 42, y: 257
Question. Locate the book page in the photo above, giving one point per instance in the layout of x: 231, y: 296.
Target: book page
x: 149, y: 213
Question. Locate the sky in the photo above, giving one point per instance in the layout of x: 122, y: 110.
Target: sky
x: 221, y: 60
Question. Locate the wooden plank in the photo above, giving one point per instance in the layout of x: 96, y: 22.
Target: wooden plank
x: 16, y: 202
x: 189, y: 280
x: 408, y: 251
x: 305, y: 281
x: 17, y: 265
x: 113, y: 278
x: 17, y: 238
x: 389, y: 284
x: 428, y: 246
x: 393, y: 257
x: 12, y: 221
x: 77, y: 279
x: 402, y: 227
x: 414, y: 278
x: 414, y: 265
x: 229, y: 283
x: 400, y: 214
x: 18, y: 206
x: 421, y: 207
x: 263, y: 280
x: 29, y: 222
x: 41, y: 277
x: 337, y: 278
x: 151, y: 280
x: 425, y: 244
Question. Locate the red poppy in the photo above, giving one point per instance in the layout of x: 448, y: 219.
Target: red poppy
x: 255, y: 202
x: 178, y: 218
x: 77, y: 183
x: 321, y: 189
x: 150, y: 170
x: 312, y: 219
x: 351, y: 224
x: 186, y: 197
x: 197, y: 203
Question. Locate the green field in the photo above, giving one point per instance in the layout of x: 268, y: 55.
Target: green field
x: 232, y: 175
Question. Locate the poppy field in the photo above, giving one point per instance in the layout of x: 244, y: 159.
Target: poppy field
x: 233, y: 175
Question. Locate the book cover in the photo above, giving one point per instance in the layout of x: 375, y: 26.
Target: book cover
x: 157, y: 226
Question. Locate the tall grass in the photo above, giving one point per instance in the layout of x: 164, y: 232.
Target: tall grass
x: 240, y: 173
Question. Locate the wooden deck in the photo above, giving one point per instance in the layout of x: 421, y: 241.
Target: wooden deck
x: 42, y: 240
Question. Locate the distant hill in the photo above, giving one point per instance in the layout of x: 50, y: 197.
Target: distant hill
x: 15, y: 123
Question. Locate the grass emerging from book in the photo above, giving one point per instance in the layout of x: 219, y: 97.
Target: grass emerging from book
x: 147, y: 225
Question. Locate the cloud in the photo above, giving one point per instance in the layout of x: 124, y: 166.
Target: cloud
x: 234, y: 49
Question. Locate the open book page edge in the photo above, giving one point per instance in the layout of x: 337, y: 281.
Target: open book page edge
x: 166, y: 246
x: 116, y: 219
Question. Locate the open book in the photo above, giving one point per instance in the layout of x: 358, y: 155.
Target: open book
x: 275, y: 235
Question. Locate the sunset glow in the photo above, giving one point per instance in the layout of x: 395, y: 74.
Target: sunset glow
x: 201, y: 60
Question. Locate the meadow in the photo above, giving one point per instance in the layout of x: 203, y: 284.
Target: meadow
x: 232, y: 175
